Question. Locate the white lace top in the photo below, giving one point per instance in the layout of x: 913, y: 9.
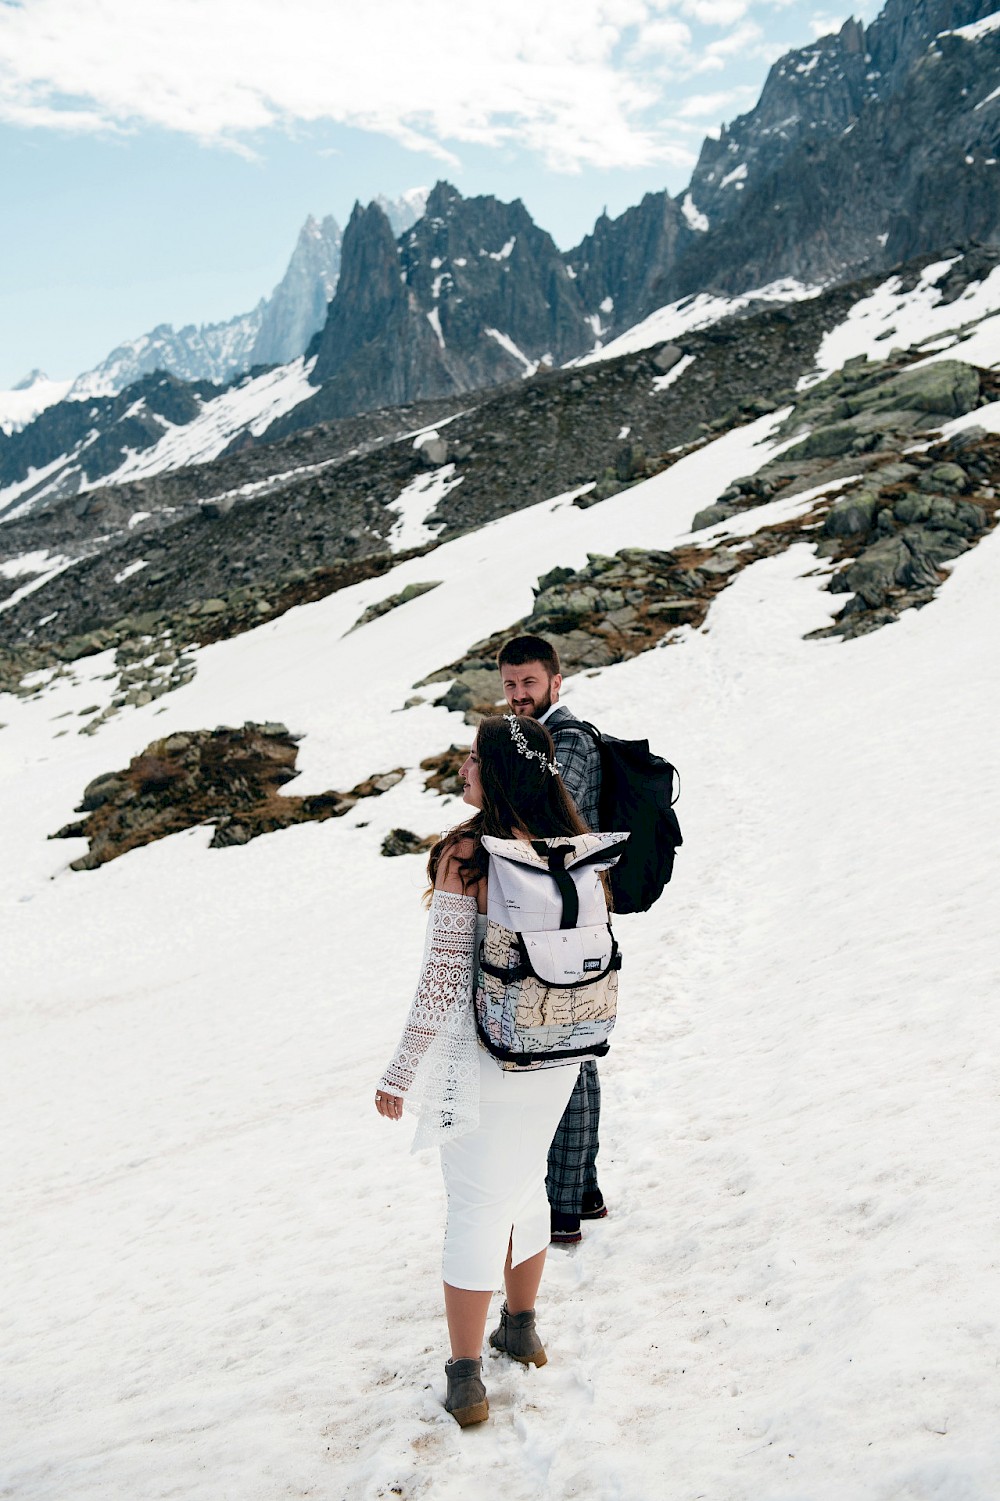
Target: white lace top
x: 436, y: 1065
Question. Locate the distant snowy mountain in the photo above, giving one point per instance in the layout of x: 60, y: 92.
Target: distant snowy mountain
x: 404, y: 211
x: 212, y: 352
x: 475, y: 293
x: 275, y: 332
x: 23, y: 402
x: 297, y: 307
x: 156, y: 424
x: 869, y: 149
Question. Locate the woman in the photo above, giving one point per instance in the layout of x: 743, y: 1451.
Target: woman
x: 494, y: 1126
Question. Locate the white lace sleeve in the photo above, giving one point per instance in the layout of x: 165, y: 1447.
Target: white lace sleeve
x: 436, y: 1065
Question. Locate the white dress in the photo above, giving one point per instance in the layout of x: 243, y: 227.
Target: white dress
x: 494, y: 1126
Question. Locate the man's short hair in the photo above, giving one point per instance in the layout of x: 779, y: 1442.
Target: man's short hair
x: 521, y: 649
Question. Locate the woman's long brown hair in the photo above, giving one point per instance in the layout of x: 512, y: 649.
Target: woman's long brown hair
x: 519, y: 792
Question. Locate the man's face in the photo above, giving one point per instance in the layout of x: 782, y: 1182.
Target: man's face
x: 529, y: 689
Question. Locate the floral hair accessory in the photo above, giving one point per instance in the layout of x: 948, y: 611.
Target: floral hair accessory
x: 523, y: 748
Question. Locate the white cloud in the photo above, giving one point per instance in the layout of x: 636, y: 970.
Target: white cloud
x: 741, y: 40
x: 564, y: 80
x: 716, y: 12
x: 821, y: 25
x: 579, y: 82
x: 716, y: 106
x: 667, y: 38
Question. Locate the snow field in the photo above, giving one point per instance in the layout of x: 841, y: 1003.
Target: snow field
x: 222, y: 1268
x: 890, y: 318
x: 19, y: 407
x: 690, y: 313
x: 252, y: 406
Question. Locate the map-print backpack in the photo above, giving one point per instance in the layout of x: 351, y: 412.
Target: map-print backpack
x: 547, y: 987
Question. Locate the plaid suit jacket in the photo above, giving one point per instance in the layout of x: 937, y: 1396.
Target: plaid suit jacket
x: 579, y: 763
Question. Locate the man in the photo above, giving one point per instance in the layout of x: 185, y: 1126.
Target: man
x: 529, y: 672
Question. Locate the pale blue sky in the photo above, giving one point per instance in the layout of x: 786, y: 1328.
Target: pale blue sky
x: 157, y: 157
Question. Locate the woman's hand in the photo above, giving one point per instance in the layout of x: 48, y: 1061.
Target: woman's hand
x: 389, y: 1105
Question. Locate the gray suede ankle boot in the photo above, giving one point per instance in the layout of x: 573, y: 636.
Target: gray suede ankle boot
x: 518, y: 1338
x: 466, y: 1399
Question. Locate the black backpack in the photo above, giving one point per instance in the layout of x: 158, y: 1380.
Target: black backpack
x: 637, y: 796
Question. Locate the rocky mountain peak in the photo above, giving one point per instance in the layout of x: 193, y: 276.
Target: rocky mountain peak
x: 297, y: 307
x: 33, y: 378
x: 904, y: 29
x: 370, y: 295
x: 441, y: 200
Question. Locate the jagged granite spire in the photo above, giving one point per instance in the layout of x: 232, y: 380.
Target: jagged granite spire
x: 472, y: 294
x: 819, y: 180
x: 298, y: 305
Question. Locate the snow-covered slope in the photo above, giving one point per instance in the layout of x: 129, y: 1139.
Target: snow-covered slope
x: 248, y: 406
x: 966, y: 327
x: 690, y: 313
x: 23, y: 402
x: 222, y: 1268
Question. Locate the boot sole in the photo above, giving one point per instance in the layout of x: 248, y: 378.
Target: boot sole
x: 464, y: 1416
x: 538, y: 1359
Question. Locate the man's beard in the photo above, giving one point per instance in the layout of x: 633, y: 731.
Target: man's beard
x: 536, y: 710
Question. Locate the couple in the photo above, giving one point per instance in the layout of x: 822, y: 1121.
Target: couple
x: 494, y: 1126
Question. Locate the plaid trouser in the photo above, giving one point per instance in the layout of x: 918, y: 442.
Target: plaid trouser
x: 573, y: 1153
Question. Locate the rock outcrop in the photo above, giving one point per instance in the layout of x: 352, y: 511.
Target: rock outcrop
x: 228, y: 777
x: 472, y: 295
x: 915, y: 508
x: 225, y: 546
x: 866, y: 148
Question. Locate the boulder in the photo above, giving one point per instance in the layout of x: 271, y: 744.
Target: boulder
x: 387, y: 780
x: 568, y: 602
x: 404, y: 842
x: 969, y: 437
x: 872, y: 575
x: 673, y: 609
x: 554, y: 577
x: 711, y: 516
x: 100, y: 791
x: 471, y: 688
x: 721, y: 561
x: 600, y: 562
x: 214, y: 510
x: 926, y: 554
x: 943, y: 513
x: 947, y: 387
x: 434, y: 452
x: 895, y: 473
x: 829, y: 442
x: 666, y: 357
x: 944, y: 477
x: 912, y: 507
x: 853, y: 516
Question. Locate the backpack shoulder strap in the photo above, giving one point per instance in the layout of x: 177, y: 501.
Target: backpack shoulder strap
x: 577, y: 724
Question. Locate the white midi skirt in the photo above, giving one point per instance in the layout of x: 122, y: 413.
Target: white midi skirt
x: 494, y: 1177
